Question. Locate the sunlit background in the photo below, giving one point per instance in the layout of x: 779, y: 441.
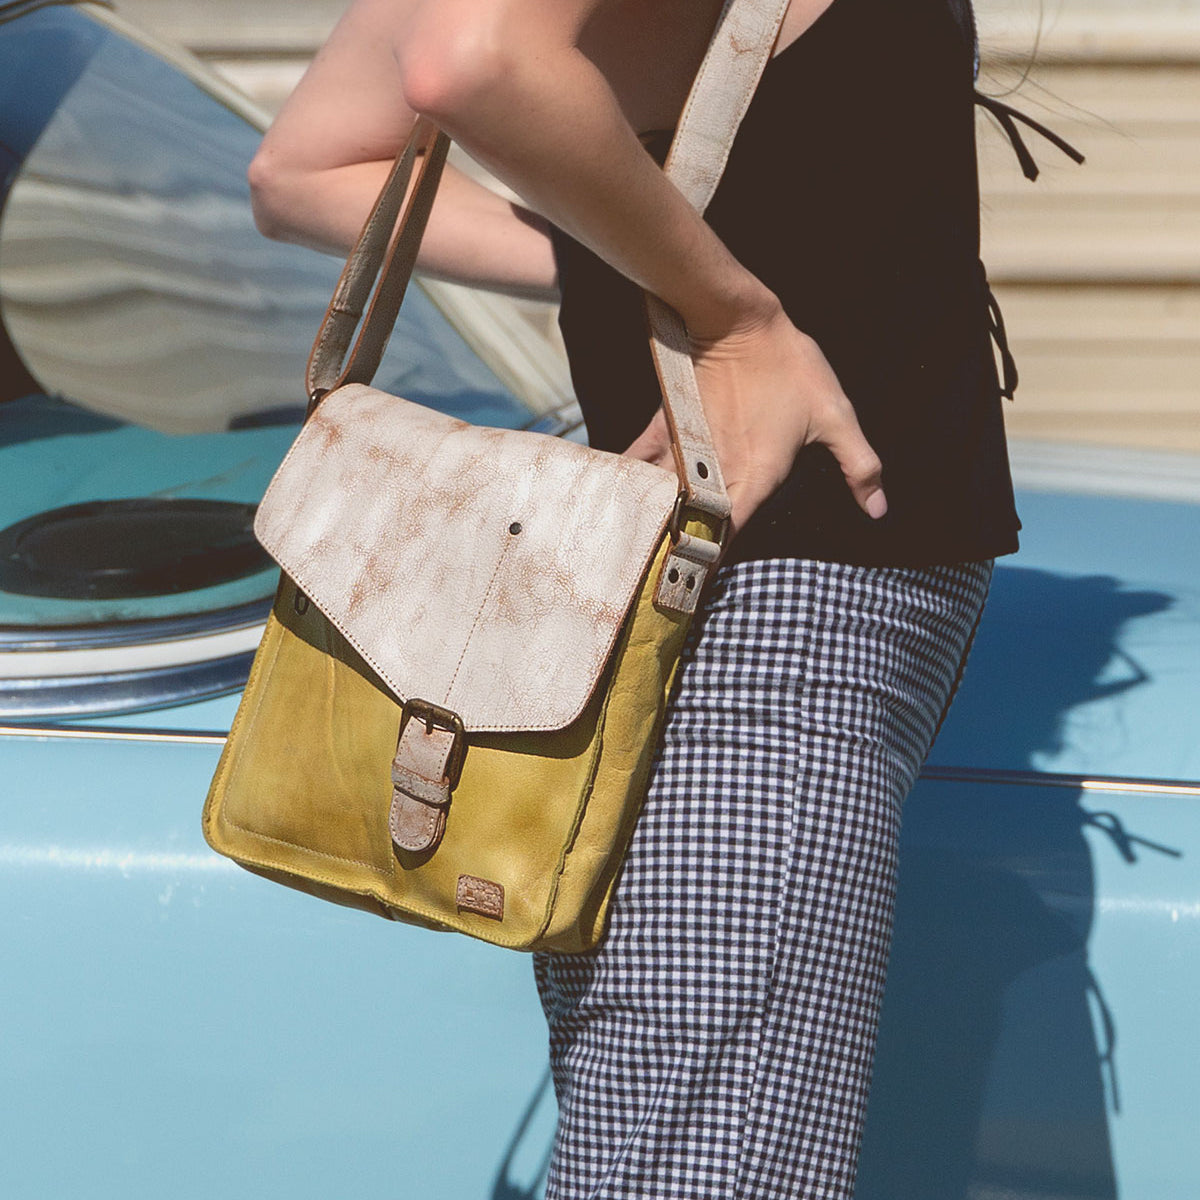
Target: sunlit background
x: 171, y: 1024
x: 1096, y: 268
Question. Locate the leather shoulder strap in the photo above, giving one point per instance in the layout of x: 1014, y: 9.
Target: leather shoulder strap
x: 737, y: 55
x: 378, y: 254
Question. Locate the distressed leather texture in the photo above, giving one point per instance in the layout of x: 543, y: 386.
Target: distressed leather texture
x: 684, y: 573
x: 397, y: 522
x: 415, y: 826
x: 421, y: 786
x: 724, y: 85
x: 691, y: 441
x: 303, y: 789
x: 523, y: 582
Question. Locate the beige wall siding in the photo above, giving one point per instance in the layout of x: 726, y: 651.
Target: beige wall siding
x: 1097, y: 268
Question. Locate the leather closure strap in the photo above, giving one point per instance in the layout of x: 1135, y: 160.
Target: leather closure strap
x: 425, y: 771
x: 684, y: 573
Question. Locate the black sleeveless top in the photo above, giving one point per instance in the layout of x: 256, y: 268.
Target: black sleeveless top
x: 852, y: 192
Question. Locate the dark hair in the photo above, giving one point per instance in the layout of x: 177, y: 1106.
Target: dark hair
x: 964, y: 15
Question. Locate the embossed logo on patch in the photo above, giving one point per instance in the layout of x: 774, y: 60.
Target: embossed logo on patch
x: 481, y: 896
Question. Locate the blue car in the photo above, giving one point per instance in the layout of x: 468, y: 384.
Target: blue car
x: 170, y: 1024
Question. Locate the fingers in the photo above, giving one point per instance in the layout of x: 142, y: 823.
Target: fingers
x: 860, y: 464
x: 653, y: 444
x: 751, y: 479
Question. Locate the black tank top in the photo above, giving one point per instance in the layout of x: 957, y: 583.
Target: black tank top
x: 852, y: 192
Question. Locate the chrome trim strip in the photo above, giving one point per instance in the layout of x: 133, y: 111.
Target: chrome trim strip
x: 1086, y: 783
x: 99, y: 733
x: 1079, y: 783
x: 34, y: 700
x: 52, y: 668
x: 14, y: 638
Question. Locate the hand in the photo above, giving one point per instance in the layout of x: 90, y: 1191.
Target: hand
x: 768, y: 391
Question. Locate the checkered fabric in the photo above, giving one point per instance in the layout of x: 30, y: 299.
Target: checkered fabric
x: 719, y: 1043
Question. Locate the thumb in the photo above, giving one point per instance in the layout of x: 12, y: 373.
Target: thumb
x: 653, y: 444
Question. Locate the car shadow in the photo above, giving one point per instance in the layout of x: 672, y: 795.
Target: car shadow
x: 528, y: 1141
x: 996, y: 1067
x: 989, y: 1078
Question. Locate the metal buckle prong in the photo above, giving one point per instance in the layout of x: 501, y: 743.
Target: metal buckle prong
x: 675, y: 524
x: 435, y: 716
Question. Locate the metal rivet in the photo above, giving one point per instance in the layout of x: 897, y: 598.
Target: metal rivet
x: 673, y: 575
x: 300, y: 602
x: 702, y: 470
x: 515, y: 527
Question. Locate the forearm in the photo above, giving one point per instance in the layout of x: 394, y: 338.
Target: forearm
x: 474, y: 236
x: 545, y: 121
x: 479, y: 238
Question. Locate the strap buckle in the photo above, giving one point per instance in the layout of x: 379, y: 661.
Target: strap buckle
x: 675, y: 524
x: 434, y: 716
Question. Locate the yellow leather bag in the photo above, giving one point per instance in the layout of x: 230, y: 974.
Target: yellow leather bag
x: 454, y: 708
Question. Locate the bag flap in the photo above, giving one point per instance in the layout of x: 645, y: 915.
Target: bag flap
x: 485, y: 570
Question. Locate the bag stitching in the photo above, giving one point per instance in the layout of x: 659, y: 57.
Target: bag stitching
x: 475, y: 624
x: 652, y: 556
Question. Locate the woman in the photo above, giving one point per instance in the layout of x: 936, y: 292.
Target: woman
x: 719, y: 1043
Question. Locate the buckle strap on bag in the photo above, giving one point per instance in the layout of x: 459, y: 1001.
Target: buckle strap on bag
x: 425, y: 772
x: 685, y: 572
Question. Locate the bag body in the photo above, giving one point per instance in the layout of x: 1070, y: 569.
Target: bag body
x: 454, y: 709
x: 554, y: 639
x: 538, y: 823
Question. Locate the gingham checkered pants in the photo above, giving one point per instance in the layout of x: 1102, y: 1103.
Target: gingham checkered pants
x: 719, y: 1043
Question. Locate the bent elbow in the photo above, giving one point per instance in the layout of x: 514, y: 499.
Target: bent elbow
x: 447, y: 78
x: 268, y: 198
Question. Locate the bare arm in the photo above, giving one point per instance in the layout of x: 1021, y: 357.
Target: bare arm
x: 507, y: 80
x: 323, y: 161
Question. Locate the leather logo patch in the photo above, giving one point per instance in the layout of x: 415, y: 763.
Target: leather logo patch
x: 481, y: 896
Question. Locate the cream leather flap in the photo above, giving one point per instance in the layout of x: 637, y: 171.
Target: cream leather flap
x: 485, y: 570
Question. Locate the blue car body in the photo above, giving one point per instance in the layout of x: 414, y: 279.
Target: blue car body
x: 170, y: 1024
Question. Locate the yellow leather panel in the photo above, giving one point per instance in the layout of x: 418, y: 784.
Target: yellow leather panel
x: 303, y: 789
